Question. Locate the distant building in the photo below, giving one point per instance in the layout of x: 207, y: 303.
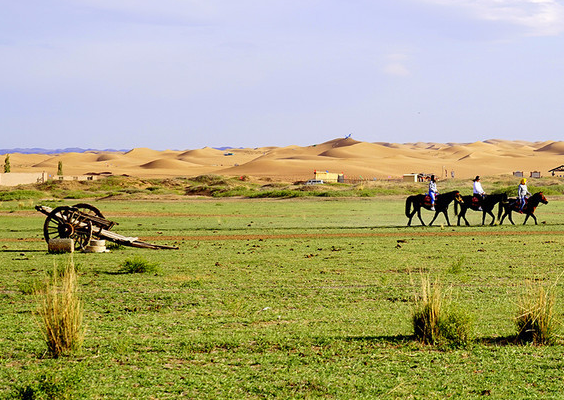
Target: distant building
x: 518, y: 174
x: 329, y: 177
x: 416, y: 177
x: 76, y: 177
x: 557, y: 169
x: 22, y: 178
x: 410, y: 177
x: 535, y: 174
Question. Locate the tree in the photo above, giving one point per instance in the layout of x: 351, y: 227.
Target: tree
x: 60, y: 168
x: 7, y: 163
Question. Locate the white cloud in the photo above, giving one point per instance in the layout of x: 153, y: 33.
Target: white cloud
x: 396, y: 65
x: 538, y: 17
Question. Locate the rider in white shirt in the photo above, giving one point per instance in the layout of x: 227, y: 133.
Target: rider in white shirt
x: 479, y: 191
x: 433, y: 191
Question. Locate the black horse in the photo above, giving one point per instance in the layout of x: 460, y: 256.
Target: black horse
x: 442, y: 202
x: 487, y: 204
x: 528, y: 209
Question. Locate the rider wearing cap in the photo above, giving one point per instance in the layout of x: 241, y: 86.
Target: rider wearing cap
x: 522, y: 193
x: 479, y: 192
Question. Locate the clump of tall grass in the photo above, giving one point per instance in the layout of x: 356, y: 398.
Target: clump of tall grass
x: 535, y: 321
x: 60, y: 312
x: 436, y: 320
x: 427, y: 310
x: 137, y: 265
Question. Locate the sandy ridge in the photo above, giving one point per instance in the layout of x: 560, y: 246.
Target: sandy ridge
x: 355, y: 159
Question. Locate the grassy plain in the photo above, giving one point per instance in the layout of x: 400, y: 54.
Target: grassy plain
x: 294, y: 298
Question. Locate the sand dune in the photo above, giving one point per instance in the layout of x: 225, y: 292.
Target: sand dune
x: 165, y: 163
x: 555, y: 147
x: 378, y: 160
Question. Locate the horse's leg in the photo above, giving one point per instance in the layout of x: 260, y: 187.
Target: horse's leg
x: 509, y: 216
x: 491, y: 214
x: 410, y: 215
x: 434, y: 217
x: 505, y: 212
x: 445, y: 212
x: 419, y: 215
x: 463, y: 215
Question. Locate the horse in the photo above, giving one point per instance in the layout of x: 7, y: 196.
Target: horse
x: 487, y: 204
x: 442, y: 202
x: 529, y: 207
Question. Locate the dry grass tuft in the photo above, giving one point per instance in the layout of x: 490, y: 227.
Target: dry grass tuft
x: 427, y: 311
x: 437, y: 320
x: 536, y: 321
x: 60, y: 312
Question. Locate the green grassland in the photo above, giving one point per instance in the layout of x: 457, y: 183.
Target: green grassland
x: 282, y: 298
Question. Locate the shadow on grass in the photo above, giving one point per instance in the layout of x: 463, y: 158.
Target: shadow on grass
x: 406, y: 339
x: 22, y: 251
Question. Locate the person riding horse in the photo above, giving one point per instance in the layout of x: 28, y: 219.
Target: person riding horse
x: 433, y: 192
x: 479, y: 192
x: 522, y: 194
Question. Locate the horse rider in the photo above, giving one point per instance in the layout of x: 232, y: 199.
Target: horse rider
x: 522, y: 193
x: 479, y: 192
x: 433, y: 192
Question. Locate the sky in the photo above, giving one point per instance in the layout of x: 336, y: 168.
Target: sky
x: 186, y: 74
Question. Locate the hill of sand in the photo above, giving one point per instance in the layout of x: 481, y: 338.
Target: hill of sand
x: 353, y: 158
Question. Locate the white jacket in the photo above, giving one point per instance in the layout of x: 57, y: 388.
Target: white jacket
x: 478, y: 188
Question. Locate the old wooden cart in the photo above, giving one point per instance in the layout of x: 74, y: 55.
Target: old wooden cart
x: 84, y: 222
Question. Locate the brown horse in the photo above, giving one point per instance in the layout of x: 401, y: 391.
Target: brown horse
x: 442, y: 202
x: 528, y: 209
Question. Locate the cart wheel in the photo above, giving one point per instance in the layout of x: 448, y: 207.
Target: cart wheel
x: 66, y: 223
x: 89, y: 209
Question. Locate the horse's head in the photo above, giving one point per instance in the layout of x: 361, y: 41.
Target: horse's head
x: 542, y: 199
x: 458, y: 197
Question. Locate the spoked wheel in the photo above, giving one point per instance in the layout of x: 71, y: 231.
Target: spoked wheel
x: 89, y: 210
x: 67, y: 223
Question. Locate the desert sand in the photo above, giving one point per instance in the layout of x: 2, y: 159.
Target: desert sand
x: 356, y: 160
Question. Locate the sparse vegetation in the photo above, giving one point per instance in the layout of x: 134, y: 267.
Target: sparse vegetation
x: 285, y: 298
x: 125, y: 187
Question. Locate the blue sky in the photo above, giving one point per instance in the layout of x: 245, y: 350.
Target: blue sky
x: 184, y: 74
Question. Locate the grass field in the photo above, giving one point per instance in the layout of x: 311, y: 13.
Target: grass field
x: 296, y: 298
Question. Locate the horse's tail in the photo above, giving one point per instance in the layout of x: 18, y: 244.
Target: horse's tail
x: 408, y: 203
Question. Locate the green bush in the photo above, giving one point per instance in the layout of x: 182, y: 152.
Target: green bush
x: 52, y: 386
x: 137, y: 265
x: 456, y: 326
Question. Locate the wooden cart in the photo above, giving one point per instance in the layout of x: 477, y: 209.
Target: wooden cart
x: 83, y: 222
